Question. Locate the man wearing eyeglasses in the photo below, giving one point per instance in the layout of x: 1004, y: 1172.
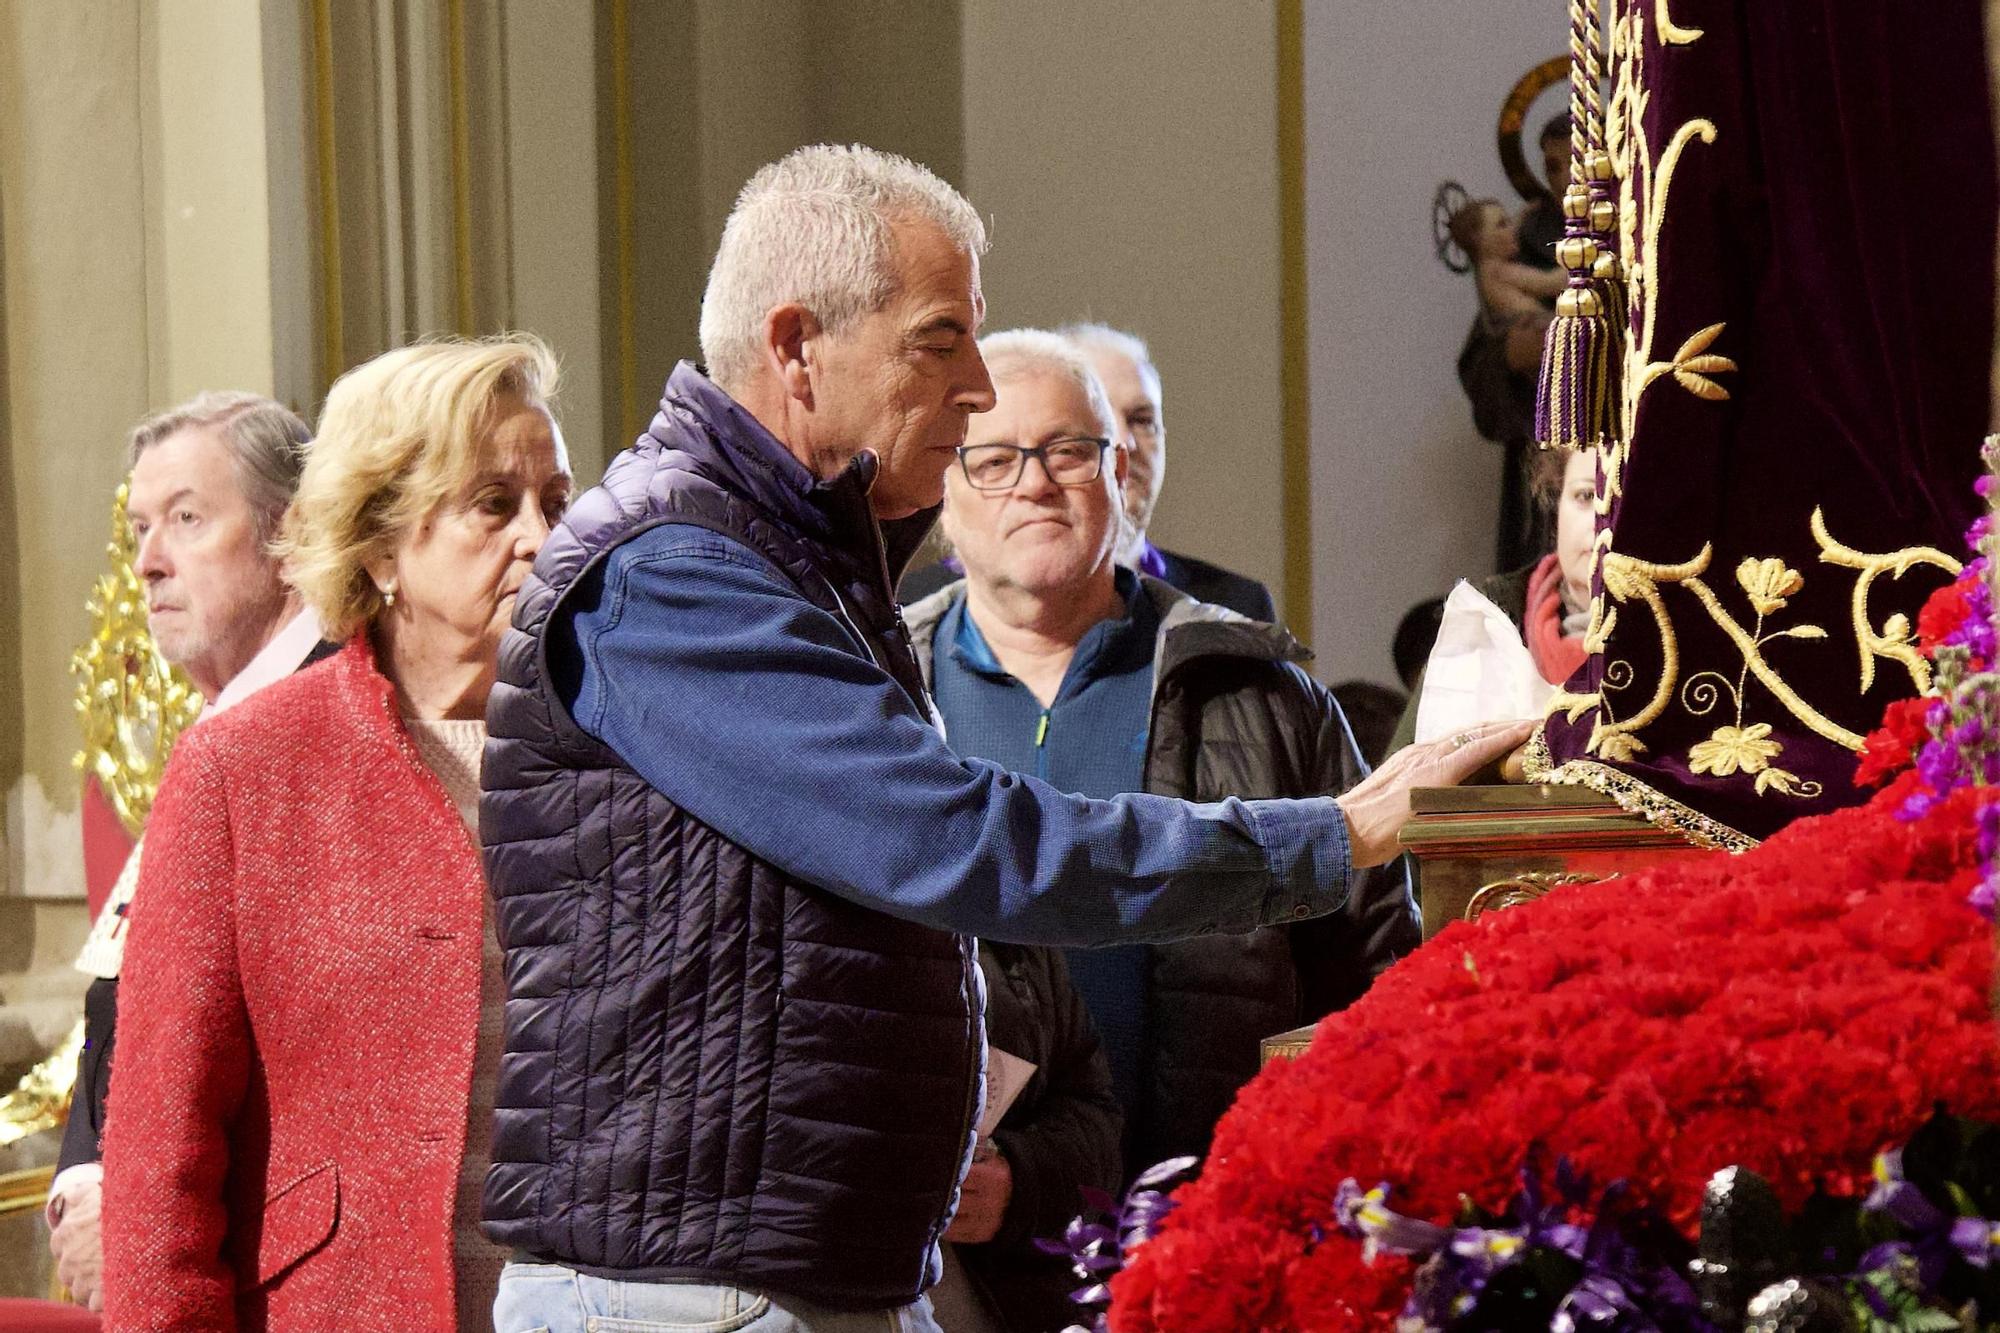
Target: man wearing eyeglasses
x: 1051, y: 659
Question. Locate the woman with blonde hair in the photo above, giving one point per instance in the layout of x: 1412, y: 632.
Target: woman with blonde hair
x: 299, y: 1119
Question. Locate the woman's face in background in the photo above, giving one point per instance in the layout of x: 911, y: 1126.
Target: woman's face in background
x: 1576, y: 524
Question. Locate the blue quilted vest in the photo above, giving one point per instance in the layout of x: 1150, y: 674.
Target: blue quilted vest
x: 712, y: 1072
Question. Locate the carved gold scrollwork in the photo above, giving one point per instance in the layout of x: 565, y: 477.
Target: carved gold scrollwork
x: 131, y: 702
x: 39, y: 1100
x: 1525, y: 887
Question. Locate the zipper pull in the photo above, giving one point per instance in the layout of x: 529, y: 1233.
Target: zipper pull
x: 1042, y: 729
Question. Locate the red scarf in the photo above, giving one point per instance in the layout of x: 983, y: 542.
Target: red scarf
x: 1556, y: 656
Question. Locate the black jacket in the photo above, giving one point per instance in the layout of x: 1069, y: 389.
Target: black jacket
x: 1206, y: 582
x: 1059, y: 1137
x: 1233, y: 714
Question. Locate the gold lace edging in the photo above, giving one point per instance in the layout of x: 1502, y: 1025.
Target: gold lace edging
x: 1634, y: 797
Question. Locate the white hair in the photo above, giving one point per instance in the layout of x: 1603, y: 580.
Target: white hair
x: 816, y: 227
x: 1011, y: 354
x: 1104, y: 338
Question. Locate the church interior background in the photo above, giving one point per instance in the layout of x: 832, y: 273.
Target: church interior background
x: 263, y: 193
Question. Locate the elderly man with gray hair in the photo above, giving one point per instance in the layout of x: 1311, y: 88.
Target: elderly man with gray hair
x: 1124, y: 364
x: 210, y: 481
x: 737, y: 869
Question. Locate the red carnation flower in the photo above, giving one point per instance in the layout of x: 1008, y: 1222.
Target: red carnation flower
x: 1891, y: 747
x: 1944, y: 611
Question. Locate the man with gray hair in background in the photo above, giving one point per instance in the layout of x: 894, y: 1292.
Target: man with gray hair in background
x: 735, y: 867
x: 210, y: 481
x: 1124, y: 364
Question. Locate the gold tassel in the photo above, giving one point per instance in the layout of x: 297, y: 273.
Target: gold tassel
x: 1577, y: 398
x: 1578, y: 392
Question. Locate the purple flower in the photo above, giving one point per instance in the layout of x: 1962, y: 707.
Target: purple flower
x: 1976, y: 1239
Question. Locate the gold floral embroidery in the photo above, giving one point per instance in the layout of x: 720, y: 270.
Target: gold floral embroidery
x: 1692, y: 365
x: 1751, y: 748
x: 1730, y: 748
x: 1751, y: 643
x: 1769, y: 583
x: 1785, y: 784
x: 1615, y: 746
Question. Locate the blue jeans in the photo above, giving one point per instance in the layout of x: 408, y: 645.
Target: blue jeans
x: 548, y: 1298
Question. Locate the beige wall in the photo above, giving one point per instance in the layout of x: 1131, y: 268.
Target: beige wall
x: 1405, y: 492
x: 1125, y: 154
x: 718, y: 88
x: 73, y: 228
x: 209, y: 306
x: 552, y: 159
x: 135, y: 222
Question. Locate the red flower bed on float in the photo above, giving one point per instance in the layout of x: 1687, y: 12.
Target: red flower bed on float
x: 1795, y: 1010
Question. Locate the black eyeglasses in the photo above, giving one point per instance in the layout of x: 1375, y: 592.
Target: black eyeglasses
x: 1076, y: 460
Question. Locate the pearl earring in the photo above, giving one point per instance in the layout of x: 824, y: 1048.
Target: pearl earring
x: 389, y: 595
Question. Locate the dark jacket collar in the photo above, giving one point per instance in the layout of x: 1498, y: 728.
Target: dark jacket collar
x: 736, y: 445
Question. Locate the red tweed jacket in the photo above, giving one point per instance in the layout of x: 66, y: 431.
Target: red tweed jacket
x: 296, y: 1025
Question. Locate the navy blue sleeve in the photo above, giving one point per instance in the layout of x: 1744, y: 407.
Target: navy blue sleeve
x: 754, y: 711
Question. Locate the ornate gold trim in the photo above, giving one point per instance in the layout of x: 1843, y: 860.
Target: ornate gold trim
x: 1525, y: 887
x: 1635, y: 797
x: 41, y: 1099
x: 1294, y: 365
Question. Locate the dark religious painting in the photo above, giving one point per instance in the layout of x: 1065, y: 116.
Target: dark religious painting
x: 1807, y: 195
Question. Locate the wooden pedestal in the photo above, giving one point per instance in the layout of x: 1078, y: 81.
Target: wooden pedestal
x: 1483, y: 849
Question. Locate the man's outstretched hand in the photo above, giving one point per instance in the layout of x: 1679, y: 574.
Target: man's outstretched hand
x: 1380, y: 805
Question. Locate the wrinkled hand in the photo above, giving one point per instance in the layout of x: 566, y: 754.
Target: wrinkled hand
x: 77, y: 1244
x: 1379, y: 806
x: 982, y: 1201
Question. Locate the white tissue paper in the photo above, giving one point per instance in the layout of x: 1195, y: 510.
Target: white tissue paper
x: 1480, y: 670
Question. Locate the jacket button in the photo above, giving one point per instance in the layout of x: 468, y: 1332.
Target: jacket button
x: 1301, y: 912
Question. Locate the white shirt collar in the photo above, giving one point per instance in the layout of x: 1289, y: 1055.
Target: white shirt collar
x: 283, y: 655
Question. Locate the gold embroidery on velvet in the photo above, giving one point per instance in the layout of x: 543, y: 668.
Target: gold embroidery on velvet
x: 1634, y: 797
x: 1627, y: 579
x: 1672, y: 33
x: 1691, y: 368
x: 1751, y: 644
x: 1894, y: 640
x: 1770, y: 584
x: 1642, y: 371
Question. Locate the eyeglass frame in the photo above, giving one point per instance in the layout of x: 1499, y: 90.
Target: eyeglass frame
x: 1038, y: 452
